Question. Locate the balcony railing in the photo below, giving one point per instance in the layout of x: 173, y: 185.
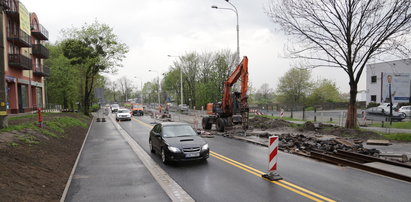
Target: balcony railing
x: 40, y: 51
x: 20, y: 61
x: 19, y: 38
x: 40, y: 33
x: 40, y: 70
x: 12, y: 8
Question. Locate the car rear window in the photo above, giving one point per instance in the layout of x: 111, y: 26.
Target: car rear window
x: 123, y: 111
x: 178, y: 131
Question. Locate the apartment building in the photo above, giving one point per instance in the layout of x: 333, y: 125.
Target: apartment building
x: 24, y: 38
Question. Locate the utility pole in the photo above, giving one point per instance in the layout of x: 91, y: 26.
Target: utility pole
x: 3, y: 107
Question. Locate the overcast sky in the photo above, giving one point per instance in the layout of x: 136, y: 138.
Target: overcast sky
x: 154, y: 29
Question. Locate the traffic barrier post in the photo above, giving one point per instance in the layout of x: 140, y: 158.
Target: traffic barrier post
x: 40, y: 117
x: 272, y: 174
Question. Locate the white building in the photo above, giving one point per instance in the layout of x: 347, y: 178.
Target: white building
x: 385, y: 77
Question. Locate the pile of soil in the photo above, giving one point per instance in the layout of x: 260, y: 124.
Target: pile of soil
x: 300, y: 142
x: 38, y: 172
x: 267, y: 123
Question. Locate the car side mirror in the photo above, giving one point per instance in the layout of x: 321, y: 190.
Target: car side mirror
x: 198, y: 132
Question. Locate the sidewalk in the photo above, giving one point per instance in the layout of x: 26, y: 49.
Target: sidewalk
x: 109, y: 170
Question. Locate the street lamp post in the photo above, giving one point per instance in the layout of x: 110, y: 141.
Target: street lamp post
x: 181, y: 81
x: 238, y: 27
x: 141, y: 88
x: 158, y: 94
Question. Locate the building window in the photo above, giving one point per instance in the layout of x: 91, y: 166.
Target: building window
x: 373, y: 98
x: 373, y: 79
x: 39, y: 98
x: 24, y: 99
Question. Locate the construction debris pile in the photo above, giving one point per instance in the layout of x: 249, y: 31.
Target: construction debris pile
x: 301, y: 143
x: 266, y: 123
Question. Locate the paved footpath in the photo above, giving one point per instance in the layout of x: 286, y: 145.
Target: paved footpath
x: 109, y: 170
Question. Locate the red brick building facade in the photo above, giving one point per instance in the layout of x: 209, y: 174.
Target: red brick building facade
x: 25, y: 53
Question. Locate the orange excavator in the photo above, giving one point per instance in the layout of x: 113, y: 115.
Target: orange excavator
x: 233, y: 109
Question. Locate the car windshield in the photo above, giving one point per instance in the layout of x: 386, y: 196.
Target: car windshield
x: 178, y: 131
x: 114, y: 105
x: 123, y: 111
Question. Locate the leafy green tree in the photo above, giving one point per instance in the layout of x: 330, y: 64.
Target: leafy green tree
x: 203, y: 76
x: 93, y: 49
x: 264, y: 95
x: 294, y: 86
x: 62, y: 83
x: 324, y: 91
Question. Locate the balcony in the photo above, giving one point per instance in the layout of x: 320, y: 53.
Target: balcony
x: 41, y: 33
x: 40, y: 70
x: 40, y: 51
x: 20, y: 61
x: 19, y: 38
x: 12, y: 8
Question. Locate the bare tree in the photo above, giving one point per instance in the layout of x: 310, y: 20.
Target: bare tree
x: 125, y: 86
x: 344, y: 34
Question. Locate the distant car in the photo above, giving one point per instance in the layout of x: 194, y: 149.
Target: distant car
x: 183, y: 108
x: 138, y: 110
x: 177, y: 142
x: 406, y: 110
x: 114, y: 108
x: 123, y: 114
x: 396, y: 116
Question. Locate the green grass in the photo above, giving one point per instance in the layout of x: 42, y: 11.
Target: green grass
x: 28, y: 139
x: 26, y: 116
x: 401, y: 125
x: 13, y: 144
x: 397, y: 136
x: 52, y: 127
x: 17, y: 127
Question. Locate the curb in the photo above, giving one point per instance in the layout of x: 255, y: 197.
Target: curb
x: 172, y: 189
x: 64, y: 195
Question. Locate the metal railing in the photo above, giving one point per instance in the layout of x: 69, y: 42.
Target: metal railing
x: 41, y: 70
x: 41, y: 33
x: 19, y: 37
x: 39, y: 50
x: 20, y: 61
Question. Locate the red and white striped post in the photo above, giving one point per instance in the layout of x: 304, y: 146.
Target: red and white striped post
x: 282, y: 113
x: 272, y: 159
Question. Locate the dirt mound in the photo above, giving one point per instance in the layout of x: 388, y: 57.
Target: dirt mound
x: 267, y: 123
x: 300, y: 142
x: 34, y: 166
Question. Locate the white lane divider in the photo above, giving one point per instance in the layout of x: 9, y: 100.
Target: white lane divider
x: 173, y: 190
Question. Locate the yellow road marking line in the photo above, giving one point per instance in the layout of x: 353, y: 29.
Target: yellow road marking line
x: 145, y: 124
x: 259, y: 173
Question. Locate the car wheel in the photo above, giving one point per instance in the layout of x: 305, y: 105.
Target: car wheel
x: 150, y: 144
x: 163, y: 156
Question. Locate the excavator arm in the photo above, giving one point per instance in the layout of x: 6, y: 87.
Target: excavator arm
x: 241, y: 71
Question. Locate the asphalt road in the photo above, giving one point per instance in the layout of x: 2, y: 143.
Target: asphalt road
x: 232, y: 173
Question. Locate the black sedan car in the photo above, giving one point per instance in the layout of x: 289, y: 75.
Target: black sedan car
x: 177, y: 142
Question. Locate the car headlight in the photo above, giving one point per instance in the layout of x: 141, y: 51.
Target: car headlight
x: 205, y: 147
x: 173, y: 149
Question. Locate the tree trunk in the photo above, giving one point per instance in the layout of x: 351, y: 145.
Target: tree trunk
x: 351, y: 121
x: 86, y: 98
